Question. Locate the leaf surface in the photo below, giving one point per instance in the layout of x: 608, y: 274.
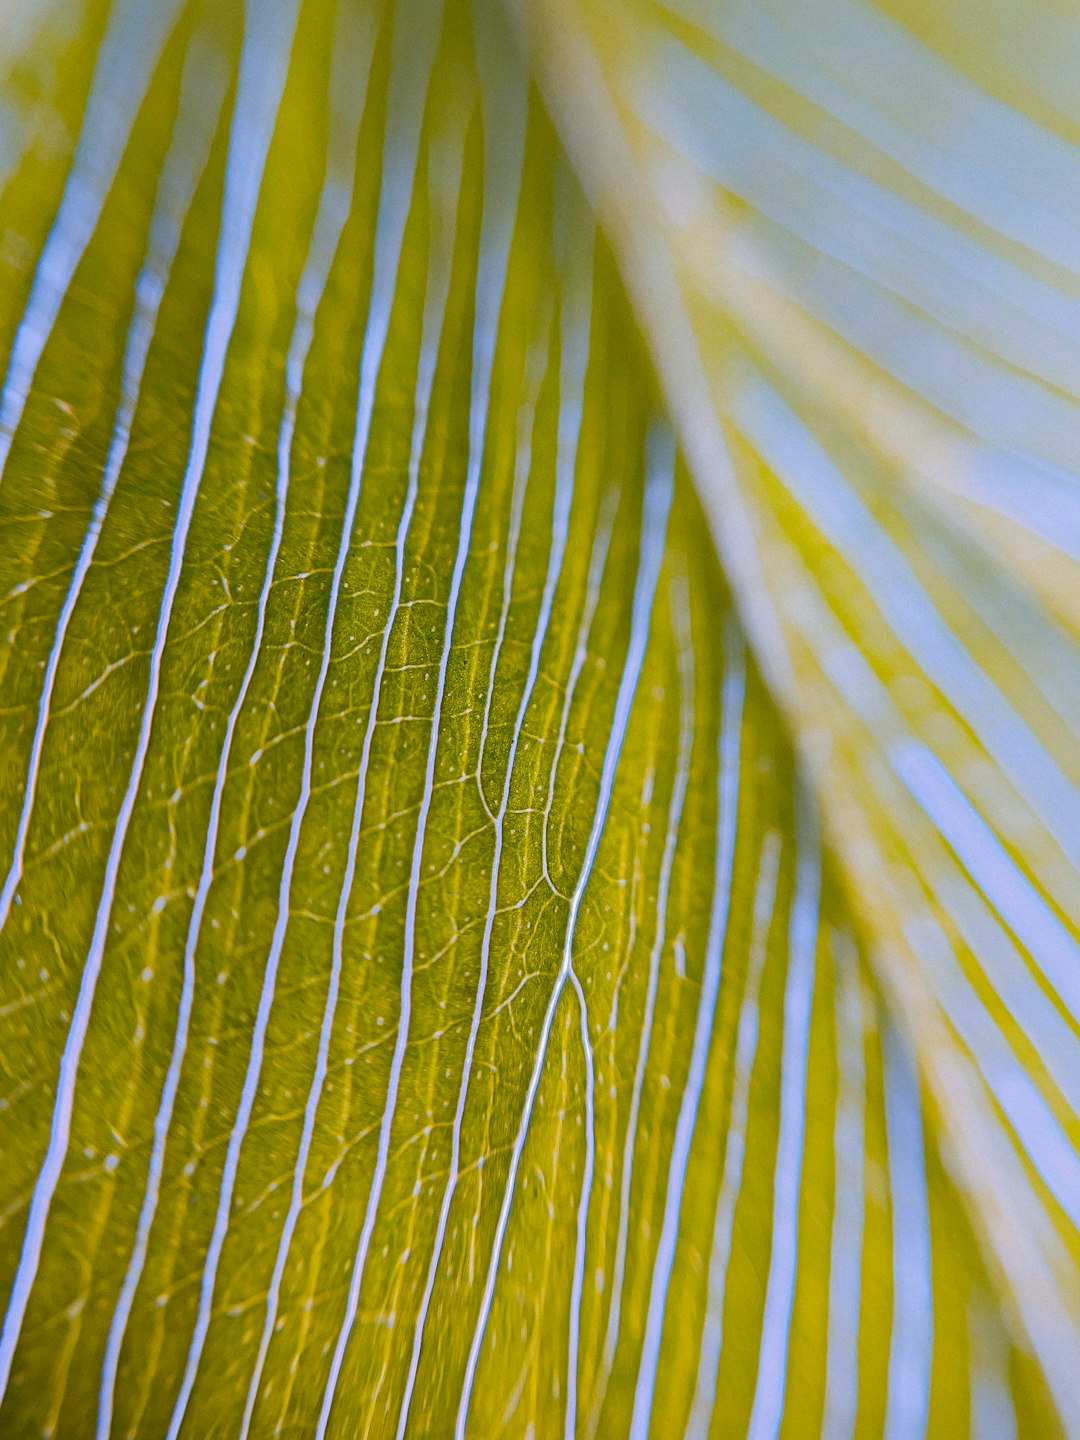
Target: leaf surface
x: 428, y: 1004
x: 840, y: 228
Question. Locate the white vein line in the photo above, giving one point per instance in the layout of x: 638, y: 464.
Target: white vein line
x: 262, y: 67
x: 846, y: 1245
x: 581, y: 1236
x: 727, y: 804
x: 912, y: 1341
x: 657, y: 503
x: 597, y: 563
x: 746, y: 1040
x: 821, y: 489
x: 987, y: 158
x: 434, y: 314
x: 445, y: 164
x: 661, y: 453
x: 127, y: 1292
x: 992, y: 869
x: 501, y: 188
x: 128, y: 54
x: 635, y: 883
x: 993, y: 1414
x: 770, y: 1391
x: 876, y: 235
x: 1025, y: 1107
x: 535, y: 366
x: 680, y: 608
x: 1035, y: 1127
x: 560, y: 527
x: 333, y: 207
x: 409, y: 77
x: 202, y: 90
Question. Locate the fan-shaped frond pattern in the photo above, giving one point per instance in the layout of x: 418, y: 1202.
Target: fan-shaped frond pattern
x: 428, y: 1004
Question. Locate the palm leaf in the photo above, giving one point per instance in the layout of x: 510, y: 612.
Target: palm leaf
x: 453, y: 982
x: 893, y: 446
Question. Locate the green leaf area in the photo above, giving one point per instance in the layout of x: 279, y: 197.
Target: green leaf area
x: 427, y: 1005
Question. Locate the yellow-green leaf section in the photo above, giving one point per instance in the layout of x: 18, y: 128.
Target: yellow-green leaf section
x: 427, y: 1003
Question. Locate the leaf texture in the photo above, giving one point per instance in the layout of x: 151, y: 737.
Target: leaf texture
x: 842, y: 230
x: 429, y: 1005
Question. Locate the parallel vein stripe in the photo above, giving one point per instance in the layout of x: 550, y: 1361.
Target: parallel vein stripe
x: 912, y: 1344
x: 991, y: 160
x: 727, y: 805
x: 1005, y: 969
x: 262, y: 72
x: 434, y: 311
x: 659, y: 486
x: 560, y: 518
x: 202, y: 90
x: 993, y: 870
x: 535, y: 366
x: 680, y: 607
x: 502, y: 186
x: 771, y: 1388
x: 597, y: 564
x: 657, y: 502
x: 434, y: 314
x: 860, y: 690
x: 746, y: 1042
x: 400, y: 165
x: 807, y: 471
x: 993, y: 1413
x: 846, y: 1244
x: 327, y: 228
x: 875, y: 235
x: 577, y: 1285
x: 163, y: 1118
x: 124, y: 67
x: 1027, y: 1109
x: 585, y: 105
